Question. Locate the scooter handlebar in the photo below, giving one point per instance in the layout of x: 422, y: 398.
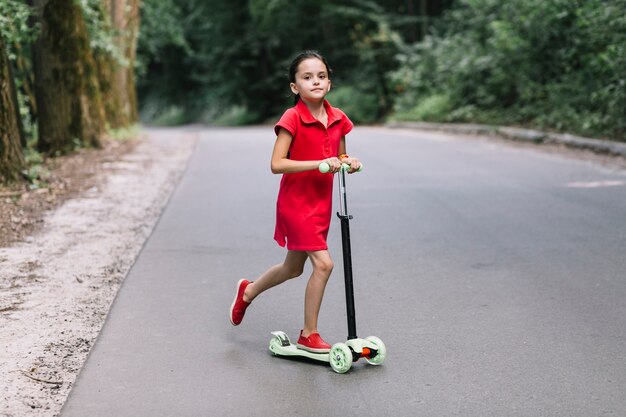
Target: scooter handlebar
x: 324, y: 167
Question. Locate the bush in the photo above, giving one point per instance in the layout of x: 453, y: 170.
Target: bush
x: 159, y: 113
x: 556, y: 65
x: 435, y: 108
x: 233, y: 116
x: 360, y: 106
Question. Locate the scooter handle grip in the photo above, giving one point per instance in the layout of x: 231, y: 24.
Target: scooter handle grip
x: 324, y: 167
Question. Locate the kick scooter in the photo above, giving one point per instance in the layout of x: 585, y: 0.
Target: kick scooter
x: 341, y: 355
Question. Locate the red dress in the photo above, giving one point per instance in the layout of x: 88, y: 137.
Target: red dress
x: 303, y: 209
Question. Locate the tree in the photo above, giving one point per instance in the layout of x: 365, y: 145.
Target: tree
x: 70, y: 110
x: 11, y: 156
x: 116, y: 65
x: 226, y: 62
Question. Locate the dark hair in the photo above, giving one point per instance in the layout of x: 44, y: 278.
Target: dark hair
x: 293, y: 68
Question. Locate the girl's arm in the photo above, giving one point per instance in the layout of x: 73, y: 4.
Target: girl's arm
x: 352, y: 161
x: 283, y: 165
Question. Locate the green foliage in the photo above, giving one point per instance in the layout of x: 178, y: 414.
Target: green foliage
x: 162, y: 30
x: 556, y: 65
x: 18, y: 31
x: 101, y: 35
x: 164, y: 114
x: 14, y: 25
x: 435, y: 108
x: 360, y: 105
x: 211, y: 58
x: 35, y: 172
x: 124, y: 134
x: 28, y: 122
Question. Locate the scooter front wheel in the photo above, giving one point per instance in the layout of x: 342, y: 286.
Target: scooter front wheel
x: 381, y: 351
x: 340, y: 358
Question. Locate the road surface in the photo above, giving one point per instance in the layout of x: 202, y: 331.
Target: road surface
x: 493, y: 273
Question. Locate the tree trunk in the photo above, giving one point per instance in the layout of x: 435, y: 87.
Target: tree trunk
x: 424, y: 15
x: 117, y: 78
x: 132, y: 27
x: 67, y: 90
x: 11, y: 152
x: 14, y: 99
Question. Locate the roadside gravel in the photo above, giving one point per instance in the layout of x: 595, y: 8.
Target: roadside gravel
x: 57, y: 284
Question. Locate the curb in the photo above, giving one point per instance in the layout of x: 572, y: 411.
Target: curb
x: 524, y: 135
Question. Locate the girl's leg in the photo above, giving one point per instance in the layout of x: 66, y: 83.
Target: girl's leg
x: 292, y: 267
x: 322, y: 268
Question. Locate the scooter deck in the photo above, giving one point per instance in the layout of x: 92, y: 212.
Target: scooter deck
x: 292, y: 350
x: 282, y: 346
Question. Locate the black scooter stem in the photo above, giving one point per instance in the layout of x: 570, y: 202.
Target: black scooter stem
x: 347, y: 255
x: 347, y: 268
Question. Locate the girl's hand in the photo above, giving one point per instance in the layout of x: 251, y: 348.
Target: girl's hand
x: 354, y: 163
x: 334, y: 163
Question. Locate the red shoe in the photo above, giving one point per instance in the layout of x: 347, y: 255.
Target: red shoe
x: 238, y: 308
x: 314, y: 343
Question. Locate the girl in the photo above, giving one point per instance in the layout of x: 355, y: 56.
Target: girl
x: 309, y: 133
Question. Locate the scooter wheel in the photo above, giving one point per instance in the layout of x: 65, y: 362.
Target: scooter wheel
x: 340, y: 358
x: 275, y: 345
x: 380, y: 347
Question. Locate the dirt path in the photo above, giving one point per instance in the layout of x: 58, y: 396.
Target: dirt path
x: 56, y: 285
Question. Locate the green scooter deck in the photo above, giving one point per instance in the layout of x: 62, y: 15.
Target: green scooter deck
x: 282, y: 346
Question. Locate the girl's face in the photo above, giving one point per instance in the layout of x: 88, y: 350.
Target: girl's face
x: 312, y: 82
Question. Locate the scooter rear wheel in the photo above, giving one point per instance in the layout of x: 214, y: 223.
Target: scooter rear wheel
x: 279, y: 341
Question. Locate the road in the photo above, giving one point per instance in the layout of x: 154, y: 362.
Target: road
x: 493, y: 273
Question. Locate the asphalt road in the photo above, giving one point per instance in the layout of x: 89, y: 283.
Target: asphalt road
x: 494, y: 275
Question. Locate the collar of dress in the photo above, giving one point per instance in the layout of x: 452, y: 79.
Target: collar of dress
x: 307, y: 117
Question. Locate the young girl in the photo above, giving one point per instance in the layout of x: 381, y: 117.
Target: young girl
x: 309, y: 133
